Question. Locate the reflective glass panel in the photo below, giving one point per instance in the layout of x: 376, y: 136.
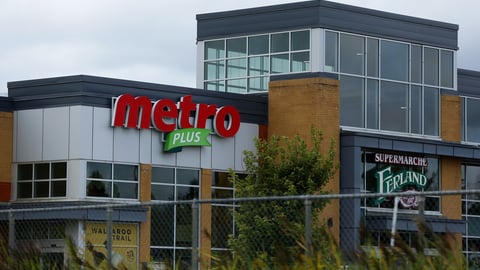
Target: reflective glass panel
x: 446, y: 68
x: 125, y: 172
x: 351, y: 101
x: 416, y: 64
x: 352, y: 54
x: 162, y: 192
x: 372, y: 104
x: 99, y: 170
x: 42, y: 171
x: 258, y: 65
x: 59, y: 170
x: 215, y: 86
x: 472, y: 120
x: 24, y: 172
x: 125, y: 190
x: 372, y: 57
x: 300, y: 40
x: 258, y: 84
x: 300, y: 62
x: 258, y: 45
x: 236, y: 47
x: 99, y: 188
x: 214, y: 70
x: 24, y: 189
x: 163, y: 175
x: 59, y: 188
x: 431, y: 66
x: 237, y: 86
x: 187, y: 177
x: 393, y: 106
x: 280, y: 63
x: 42, y: 189
x: 431, y: 111
x: 416, y: 116
x: 279, y: 42
x: 214, y: 49
x: 331, y: 51
x: 394, y: 60
x: 236, y: 68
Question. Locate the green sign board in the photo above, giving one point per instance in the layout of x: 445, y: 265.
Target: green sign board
x: 388, y: 182
x: 186, y: 137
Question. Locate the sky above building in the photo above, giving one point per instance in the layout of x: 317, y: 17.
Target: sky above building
x: 154, y: 41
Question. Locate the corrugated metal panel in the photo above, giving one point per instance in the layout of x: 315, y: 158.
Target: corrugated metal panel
x: 468, y: 82
x: 324, y: 14
x: 98, y: 91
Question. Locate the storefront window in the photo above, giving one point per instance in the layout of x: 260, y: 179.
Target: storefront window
x: 352, y: 54
x: 123, y: 184
x: 394, y: 60
x: 42, y: 180
x: 471, y: 121
x: 171, y: 232
x: 389, y: 173
x: 471, y: 211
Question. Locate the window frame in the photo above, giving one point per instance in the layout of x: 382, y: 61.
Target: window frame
x: 33, y: 180
x: 112, y: 181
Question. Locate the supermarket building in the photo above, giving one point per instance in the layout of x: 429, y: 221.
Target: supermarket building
x: 384, y: 86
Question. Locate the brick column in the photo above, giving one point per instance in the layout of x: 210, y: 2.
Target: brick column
x: 294, y: 106
x: 145, y: 227
x: 6, y: 154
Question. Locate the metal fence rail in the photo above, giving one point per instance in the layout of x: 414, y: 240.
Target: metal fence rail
x: 196, y: 234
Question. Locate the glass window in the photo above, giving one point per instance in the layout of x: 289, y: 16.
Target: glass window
x: 237, y: 86
x: 280, y: 63
x: 236, y: 47
x: 187, y: 177
x: 215, y: 86
x: 123, y: 184
x: 214, y: 49
x: 258, y: 45
x: 331, y: 51
x: 431, y: 111
x: 280, y: 43
x: 300, y: 62
x: 372, y: 57
x: 163, y: 175
x: 351, y: 101
x: 416, y: 64
x: 393, y: 106
x: 372, y: 104
x: 446, y: 68
x: 236, y: 68
x: 258, y: 65
x: 42, y: 180
x: 394, y: 60
x: 352, y: 54
x: 214, y: 70
x: 258, y: 84
x: 300, y: 40
x: 472, y: 120
x: 416, y: 106
x: 431, y: 66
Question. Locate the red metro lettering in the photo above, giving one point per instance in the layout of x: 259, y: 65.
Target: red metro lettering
x: 166, y: 115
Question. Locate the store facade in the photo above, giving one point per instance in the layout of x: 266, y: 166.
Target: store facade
x: 384, y: 87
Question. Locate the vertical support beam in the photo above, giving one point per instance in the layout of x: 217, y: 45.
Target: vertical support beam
x: 194, y: 235
x: 308, y: 228
x: 109, y: 237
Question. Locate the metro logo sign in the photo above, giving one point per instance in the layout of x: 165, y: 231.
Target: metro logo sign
x: 167, y: 116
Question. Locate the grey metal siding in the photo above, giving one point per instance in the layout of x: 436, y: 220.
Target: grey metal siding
x: 468, y: 82
x: 324, y: 14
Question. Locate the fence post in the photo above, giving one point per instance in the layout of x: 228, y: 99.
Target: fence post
x: 194, y: 235
x: 109, y: 237
x: 11, y: 230
x: 308, y: 227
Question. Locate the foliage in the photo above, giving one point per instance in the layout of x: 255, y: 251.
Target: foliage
x: 280, y: 166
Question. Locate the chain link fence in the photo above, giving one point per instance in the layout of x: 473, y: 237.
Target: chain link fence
x: 333, y: 230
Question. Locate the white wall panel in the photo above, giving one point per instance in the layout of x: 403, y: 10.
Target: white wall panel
x: 206, y: 155
x: 76, y: 183
x: 223, y: 157
x: 189, y: 157
x: 158, y: 156
x: 126, y: 144
x: 81, y: 132
x: 29, y: 135
x: 55, y: 133
x: 244, y: 140
x: 146, y: 145
x: 102, y: 135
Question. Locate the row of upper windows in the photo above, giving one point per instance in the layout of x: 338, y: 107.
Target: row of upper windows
x: 107, y: 180
x: 244, y: 64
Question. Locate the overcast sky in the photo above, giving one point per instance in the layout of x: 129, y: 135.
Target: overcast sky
x: 154, y: 40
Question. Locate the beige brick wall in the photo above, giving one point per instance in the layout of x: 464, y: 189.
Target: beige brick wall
x: 294, y: 106
x: 6, y: 148
x: 451, y: 118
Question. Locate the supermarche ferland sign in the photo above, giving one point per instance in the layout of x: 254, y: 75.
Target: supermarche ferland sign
x: 173, y: 118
